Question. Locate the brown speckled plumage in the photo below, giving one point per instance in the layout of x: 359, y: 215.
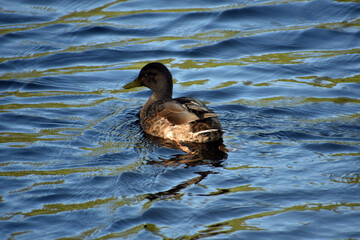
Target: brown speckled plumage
x: 183, y: 119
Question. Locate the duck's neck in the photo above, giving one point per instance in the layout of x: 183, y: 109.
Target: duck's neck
x: 154, y: 98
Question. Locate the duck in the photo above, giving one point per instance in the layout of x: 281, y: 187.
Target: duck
x: 183, y: 119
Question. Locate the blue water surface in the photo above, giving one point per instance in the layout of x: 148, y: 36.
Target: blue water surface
x: 284, y: 76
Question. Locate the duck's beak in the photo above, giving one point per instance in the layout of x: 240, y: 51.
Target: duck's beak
x: 135, y: 83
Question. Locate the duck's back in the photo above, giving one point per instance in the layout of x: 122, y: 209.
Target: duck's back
x: 183, y: 119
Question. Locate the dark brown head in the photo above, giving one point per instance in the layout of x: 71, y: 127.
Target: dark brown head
x: 157, y: 77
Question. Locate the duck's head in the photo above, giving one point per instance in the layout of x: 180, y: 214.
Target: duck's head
x: 157, y: 77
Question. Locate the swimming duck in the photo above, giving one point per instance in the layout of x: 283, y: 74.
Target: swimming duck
x: 184, y: 119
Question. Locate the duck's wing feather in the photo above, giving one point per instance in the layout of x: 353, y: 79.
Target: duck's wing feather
x: 183, y: 110
x: 208, y: 121
x: 175, y: 112
x: 196, y: 106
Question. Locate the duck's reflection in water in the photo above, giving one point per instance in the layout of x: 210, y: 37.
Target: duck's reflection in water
x: 174, y: 192
x: 199, y: 153
x: 211, y: 154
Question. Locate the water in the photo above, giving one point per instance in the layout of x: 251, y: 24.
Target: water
x: 283, y: 75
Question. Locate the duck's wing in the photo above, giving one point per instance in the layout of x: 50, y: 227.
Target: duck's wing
x: 175, y: 112
x: 182, y: 110
x: 197, y: 107
x: 207, y: 122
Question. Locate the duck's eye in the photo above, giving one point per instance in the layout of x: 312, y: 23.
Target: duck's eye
x: 149, y: 75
